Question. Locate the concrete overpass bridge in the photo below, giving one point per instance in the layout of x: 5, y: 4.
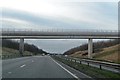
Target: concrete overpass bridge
x: 59, y: 34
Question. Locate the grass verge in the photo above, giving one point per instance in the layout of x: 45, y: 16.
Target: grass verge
x: 91, y: 71
x: 8, y: 53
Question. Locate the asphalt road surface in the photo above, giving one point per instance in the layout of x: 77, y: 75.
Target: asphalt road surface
x: 38, y: 67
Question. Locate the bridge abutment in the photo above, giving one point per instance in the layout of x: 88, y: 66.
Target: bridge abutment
x: 90, y: 48
x: 21, y: 46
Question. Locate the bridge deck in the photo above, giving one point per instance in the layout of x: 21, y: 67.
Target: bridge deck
x: 60, y: 34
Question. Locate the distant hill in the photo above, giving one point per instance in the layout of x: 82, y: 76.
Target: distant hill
x: 97, y: 46
x: 11, y: 44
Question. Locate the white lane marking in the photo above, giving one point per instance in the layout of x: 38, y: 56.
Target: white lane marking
x: 65, y: 69
x: 23, y: 66
x: 79, y: 72
x: 9, y: 72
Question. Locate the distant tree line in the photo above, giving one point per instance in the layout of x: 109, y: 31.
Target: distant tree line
x: 97, y: 46
x: 27, y: 47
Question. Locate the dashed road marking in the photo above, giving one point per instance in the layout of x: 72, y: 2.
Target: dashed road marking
x: 32, y: 60
x: 9, y: 72
x: 23, y: 66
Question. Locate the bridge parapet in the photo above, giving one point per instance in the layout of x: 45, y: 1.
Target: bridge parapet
x: 60, y: 32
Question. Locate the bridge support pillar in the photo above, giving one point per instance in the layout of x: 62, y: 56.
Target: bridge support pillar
x: 21, y: 46
x: 90, y: 48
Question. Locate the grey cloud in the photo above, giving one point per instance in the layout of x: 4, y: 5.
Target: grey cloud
x: 37, y: 20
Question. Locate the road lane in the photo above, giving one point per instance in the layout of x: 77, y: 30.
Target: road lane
x: 33, y: 67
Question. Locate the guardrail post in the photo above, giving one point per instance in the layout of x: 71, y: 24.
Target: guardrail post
x: 90, y: 48
x: 100, y: 67
x: 21, y: 46
x: 75, y: 60
x: 88, y: 63
x: 80, y: 62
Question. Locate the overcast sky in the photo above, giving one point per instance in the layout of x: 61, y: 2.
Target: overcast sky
x: 59, y: 14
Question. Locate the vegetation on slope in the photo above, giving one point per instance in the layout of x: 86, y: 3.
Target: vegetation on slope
x: 96, y: 45
x: 8, y: 53
x: 10, y: 49
x: 107, y: 51
x: 27, y: 47
x: 109, y: 54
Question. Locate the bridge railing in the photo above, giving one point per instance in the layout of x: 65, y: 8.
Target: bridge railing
x: 57, y: 30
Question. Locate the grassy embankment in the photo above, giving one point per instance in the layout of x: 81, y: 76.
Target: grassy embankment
x: 12, y: 53
x: 91, y: 71
x: 110, y: 54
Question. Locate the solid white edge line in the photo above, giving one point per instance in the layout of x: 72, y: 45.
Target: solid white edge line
x: 81, y: 73
x: 65, y: 69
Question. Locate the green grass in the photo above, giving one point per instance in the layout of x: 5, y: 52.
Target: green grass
x: 91, y: 71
